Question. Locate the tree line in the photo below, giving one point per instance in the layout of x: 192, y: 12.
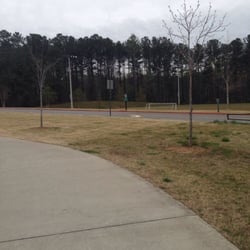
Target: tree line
x: 146, y: 69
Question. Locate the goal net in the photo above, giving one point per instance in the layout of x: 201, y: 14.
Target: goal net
x: 169, y: 105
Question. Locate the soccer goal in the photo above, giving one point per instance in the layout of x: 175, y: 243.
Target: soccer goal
x: 171, y: 105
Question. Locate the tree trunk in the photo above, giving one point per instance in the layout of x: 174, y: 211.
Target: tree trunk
x: 3, y: 103
x: 41, y: 107
x: 190, y: 67
x: 3, y: 97
x: 227, y: 92
x: 190, y: 142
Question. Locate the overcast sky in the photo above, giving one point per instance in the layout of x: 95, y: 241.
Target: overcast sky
x: 110, y: 18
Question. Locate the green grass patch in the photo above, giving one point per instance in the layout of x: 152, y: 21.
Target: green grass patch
x: 220, y: 122
x: 153, y: 153
x: 124, y: 134
x: 226, y: 152
x: 184, y: 141
x: 90, y: 151
x: 208, y: 144
x: 141, y: 163
x: 166, y: 179
x: 219, y: 133
x: 225, y: 139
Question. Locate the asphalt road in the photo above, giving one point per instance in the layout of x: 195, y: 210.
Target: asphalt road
x: 207, y: 117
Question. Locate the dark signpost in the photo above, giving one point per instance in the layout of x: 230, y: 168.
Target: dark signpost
x: 126, y: 101
x: 218, y: 104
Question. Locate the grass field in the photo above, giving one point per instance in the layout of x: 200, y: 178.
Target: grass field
x: 141, y: 106
x: 212, y: 178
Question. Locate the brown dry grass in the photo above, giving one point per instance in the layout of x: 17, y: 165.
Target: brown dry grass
x: 212, y: 178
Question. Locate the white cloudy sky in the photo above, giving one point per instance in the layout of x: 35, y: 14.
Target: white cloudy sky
x: 110, y: 18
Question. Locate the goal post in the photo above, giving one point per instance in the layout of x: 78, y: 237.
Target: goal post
x: 172, y: 105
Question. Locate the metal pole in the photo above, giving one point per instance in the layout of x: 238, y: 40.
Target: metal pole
x: 70, y: 84
x: 178, y: 89
x: 218, y: 104
x: 110, y: 92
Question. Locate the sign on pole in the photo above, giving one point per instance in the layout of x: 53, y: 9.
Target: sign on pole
x: 110, y: 84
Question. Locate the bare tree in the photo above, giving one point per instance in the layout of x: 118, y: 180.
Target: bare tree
x: 41, y: 72
x: 38, y: 48
x: 227, y: 75
x: 191, y: 28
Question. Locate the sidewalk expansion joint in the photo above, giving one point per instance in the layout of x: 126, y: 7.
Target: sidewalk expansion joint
x: 95, y: 228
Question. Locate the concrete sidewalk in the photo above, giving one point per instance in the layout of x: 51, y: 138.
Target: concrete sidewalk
x: 56, y: 198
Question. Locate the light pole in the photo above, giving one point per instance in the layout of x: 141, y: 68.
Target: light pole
x: 70, y: 84
x: 110, y: 87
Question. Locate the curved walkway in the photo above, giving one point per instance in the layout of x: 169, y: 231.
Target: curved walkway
x: 55, y: 198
